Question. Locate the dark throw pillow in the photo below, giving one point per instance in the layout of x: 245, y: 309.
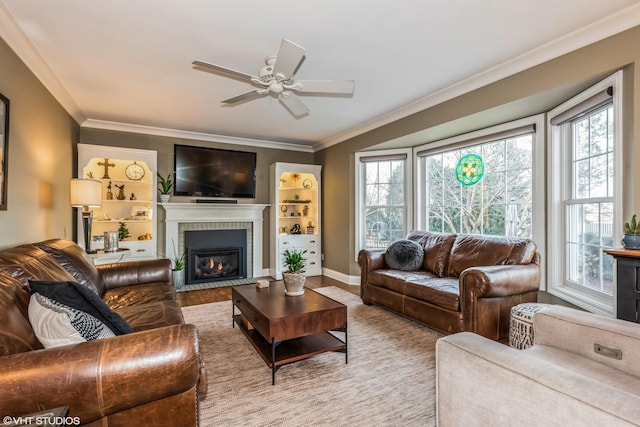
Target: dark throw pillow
x: 404, y: 255
x: 79, y: 298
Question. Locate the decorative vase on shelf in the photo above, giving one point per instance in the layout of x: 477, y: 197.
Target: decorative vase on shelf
x: 164, y: 198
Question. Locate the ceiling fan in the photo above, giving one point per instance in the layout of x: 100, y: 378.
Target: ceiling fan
x: 277, y: 78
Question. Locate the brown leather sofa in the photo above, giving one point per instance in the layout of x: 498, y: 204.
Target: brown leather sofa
x: 153, y: 376
x: 467, y: 282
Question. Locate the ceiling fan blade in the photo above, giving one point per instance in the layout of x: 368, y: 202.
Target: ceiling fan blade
x: 289, y: 56
x: 205, y: 66
x: 244, y: 97
x: 294, y: 105
x: 327, y: 86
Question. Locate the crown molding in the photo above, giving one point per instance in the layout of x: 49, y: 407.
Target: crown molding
x: 199, y: 136
x: 17, y: 40
x: 599, y: 30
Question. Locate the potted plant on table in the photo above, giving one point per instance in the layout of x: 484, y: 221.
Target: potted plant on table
x: 294, y: 278
x: 631, y: 236
x: 164, y: 186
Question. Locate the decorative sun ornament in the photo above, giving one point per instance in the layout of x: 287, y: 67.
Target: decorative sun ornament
x: 469, y: 169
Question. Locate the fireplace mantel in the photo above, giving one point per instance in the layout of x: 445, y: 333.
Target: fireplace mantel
x: 177, y: 213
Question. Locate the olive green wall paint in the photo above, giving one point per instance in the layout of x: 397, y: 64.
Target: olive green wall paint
x: 583, y: 65
x: 164, y: 147
x: 40, y: 161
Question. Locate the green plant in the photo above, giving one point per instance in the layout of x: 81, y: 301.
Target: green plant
x: 164, y: 184
x: 123, y: 231
x: 294, y: 260
x: 178, y: 261
x: 632, y: 227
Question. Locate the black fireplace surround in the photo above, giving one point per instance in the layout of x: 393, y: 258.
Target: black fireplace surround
x: 214, y: 255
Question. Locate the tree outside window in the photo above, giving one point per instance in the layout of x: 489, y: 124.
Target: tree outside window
x: 499, y: 204
x: 384, y: 204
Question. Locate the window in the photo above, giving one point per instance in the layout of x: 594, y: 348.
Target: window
x: 584, y: 195
x: 383, y: 198
x: 501, y: 200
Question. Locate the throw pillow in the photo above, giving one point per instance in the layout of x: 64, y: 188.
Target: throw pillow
x: 80, y: 298
x: 57, y: 324
x: 404, y: 255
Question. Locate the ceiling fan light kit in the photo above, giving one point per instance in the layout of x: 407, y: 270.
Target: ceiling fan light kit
x: 277, y: 78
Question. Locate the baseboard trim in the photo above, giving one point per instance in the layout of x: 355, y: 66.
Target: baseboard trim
x: 344, y: 278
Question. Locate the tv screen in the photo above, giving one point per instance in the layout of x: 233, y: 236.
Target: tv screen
x: 212, y: 172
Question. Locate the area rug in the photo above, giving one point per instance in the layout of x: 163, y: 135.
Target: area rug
x: 389, y: 380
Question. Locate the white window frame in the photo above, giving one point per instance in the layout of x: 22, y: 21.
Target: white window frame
x: 538, y: 232
x: 559, y: 191
x: 360, y: 193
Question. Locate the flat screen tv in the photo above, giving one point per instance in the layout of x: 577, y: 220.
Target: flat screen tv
x: 213, y: 172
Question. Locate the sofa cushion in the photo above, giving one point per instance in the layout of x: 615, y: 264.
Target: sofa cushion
x: 152, y: 315
x: 16, y: 333
x: 126, y: 296
x: 395, y: 280
x: 443, y: 292
x: 78, y: 297
x: 30, y: 262
x: 473, y: 250
x: 437, y: 247
x: 405, y: 255
x: 75, y: 261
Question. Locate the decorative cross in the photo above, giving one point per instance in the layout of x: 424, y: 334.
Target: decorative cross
x: 106, y: 165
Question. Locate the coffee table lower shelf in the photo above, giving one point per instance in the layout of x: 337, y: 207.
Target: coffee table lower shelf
x: 276, y: 354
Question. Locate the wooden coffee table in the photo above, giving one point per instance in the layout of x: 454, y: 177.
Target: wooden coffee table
x: 285, y: 329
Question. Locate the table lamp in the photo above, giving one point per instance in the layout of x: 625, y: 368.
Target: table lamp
x: 86, y: 193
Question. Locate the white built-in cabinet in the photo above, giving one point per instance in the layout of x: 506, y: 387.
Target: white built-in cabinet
x: 127, y: 198
x: 295, y: 215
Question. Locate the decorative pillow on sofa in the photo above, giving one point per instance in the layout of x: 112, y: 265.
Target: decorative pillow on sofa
x: 57, y: 324
x: 57, y: 309
x: 404, y: 255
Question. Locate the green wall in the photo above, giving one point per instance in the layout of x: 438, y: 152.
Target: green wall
x: 532, y: 91
x: 41, y: 157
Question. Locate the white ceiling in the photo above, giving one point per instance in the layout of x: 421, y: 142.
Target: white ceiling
x: 126, y: 64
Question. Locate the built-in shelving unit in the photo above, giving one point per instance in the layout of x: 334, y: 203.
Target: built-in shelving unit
x: 131, y: 201
x: 295, y: 214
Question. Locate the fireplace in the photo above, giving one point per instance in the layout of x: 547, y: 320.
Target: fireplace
x: 214, y: 255
x: 210, y: 265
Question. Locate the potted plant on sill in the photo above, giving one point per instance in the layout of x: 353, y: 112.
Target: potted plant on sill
x: 631, y: 236
x: 294, y: 278
x: 164, y: 186
x: 177, y: 268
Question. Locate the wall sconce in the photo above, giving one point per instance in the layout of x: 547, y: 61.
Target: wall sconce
x: 86, y: 193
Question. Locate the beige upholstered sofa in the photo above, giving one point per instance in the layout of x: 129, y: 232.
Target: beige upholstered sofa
x: 571, y: 376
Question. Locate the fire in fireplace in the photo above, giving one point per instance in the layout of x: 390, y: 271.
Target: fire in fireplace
x: 218, y: 264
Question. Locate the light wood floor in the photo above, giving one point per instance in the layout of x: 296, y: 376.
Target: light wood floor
x: 204, y: 296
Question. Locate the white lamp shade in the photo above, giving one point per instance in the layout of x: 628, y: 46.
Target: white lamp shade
x: 86, y: 192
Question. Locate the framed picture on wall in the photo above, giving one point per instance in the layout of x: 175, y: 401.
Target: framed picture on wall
x: 4, y: 147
